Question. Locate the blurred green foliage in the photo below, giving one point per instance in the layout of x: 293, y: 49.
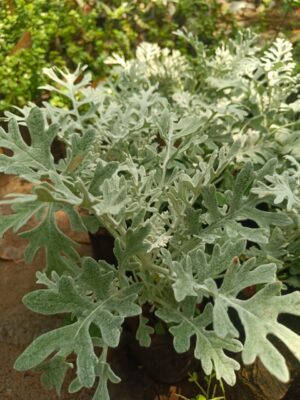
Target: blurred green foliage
x: 39, y: 33
x: 274, y: 18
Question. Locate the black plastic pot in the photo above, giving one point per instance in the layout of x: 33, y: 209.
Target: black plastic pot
x: 103, y: 246
x: 160, y: 360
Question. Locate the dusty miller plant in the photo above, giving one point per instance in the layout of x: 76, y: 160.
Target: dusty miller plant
x: 193, y: 168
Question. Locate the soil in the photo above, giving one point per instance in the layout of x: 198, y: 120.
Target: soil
x: 18, y: 327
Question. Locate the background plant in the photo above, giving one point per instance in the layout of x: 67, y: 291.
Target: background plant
x: 193, y: 168
x: 38, y: 33
x: 269, y: 19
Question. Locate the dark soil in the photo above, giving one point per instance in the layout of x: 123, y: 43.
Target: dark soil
x: 18, y: 327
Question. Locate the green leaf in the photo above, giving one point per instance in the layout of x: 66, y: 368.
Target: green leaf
x: 124, y: 301
x: 22, y: 213
x: 106, y: 374
x: 222, y: 256
x: 75, y: 386
x: 56, y: 340
x: 281, y: 189
x: 80, y: 146
x: 238, y: 277
x: 64, y: 299
x: 259, y: 317
x: 205, y: 266
x: 209, y: 349
x: 101, y: 174
x: 65, y: 294
x: 110, y: 326
x: 159, y: 173
x: 114, y: 197
x: 256, y: 235
x: 98, y: 277
x: 186, y: 126
x: 60, y: 190
x: 31, y: 160
x: 76, y: 220
x: 63, y: 340
x: 86, y: 357
x: 144, y: 332
x: 135, y: 240
x: 91, y: 223
x: 241, y: 185
x: 185, y: 282
x: 223, y: 326
x: 210, y: 202
x: 163, y: 123
x: 265, y: 219
x: 47, y: 235
x: 192, y: 221
x: 54, y: 372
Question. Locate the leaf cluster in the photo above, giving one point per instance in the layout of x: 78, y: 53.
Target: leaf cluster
x: 193, y: 169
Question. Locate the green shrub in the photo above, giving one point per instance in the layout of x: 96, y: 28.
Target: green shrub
x: 193, y: 168
x: 272, y: 18
x: 40, y: 33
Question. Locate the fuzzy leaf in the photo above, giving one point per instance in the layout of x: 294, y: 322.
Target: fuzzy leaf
x: 106, y: 374
x: 160, y: 174
x: 280, y: 189
x: 237, y: 278
x: 47, y: 235
x: 22, y: 213
x: 113, y: 197
x: 46, y: 344
x: 185, y: 282
x: 240, y: 276
x: 53, y: 373
x: 187, y: 126
x: 265, y: 219
x: 210, y: 202
x: 107, y: 314
x: 80, y: 146
x: 101, y: 174
x: 135, y: 240
x: 110, y: 327
x: 192, y: 221
x: 28, y: 160
x: 205, y: 267
x: 241, y: 184
x: 98, y: 277
x: 64, y: 299
x: 144, y: 332
x: 209, y: 349
x: 257, y: 235
x: 259, y: 317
